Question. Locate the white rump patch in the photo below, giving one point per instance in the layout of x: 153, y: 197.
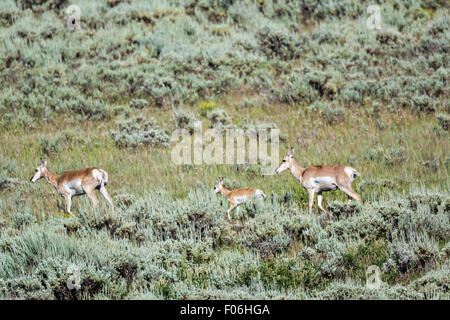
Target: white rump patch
x: 105, y: 175
x: 350, y: 172
x: 97, y: 174
x: 260, y: 193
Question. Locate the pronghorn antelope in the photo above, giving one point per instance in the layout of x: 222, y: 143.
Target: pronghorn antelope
x: 317, y: 179
x: 237, y: 196
x: 74, y: 183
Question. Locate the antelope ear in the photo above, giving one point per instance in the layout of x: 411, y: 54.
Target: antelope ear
x: 44, y: 163
x: 291, y: 152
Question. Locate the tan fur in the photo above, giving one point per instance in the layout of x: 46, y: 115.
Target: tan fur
x: 321, y: 178
x: 67, y: 183
x: 235, y: 197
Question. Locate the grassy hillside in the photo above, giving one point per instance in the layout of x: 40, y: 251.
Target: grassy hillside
x: 109, y: 96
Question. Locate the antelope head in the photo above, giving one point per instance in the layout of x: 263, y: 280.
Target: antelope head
x: 285, y: 163
x: 218, y: 185
x: 40, y: 171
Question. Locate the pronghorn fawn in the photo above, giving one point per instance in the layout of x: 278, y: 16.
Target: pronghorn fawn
x: 317, y: 179
x: 75, y: 183
x: 237, y: 196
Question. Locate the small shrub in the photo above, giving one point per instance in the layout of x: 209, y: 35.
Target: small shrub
x: 291, y: 273
x: 124, y: 200
x: 431, y: 164
x: 138, y: 131
x: 206, y: 106
x: 8, y: 183
x: 333, y: 116
x: 391, y: 156
x: 423, y: 104
x: 138, y: 103
x: 50, y: 146
x: 358, y: 258
x: 185, y: 119
x: 276, y: 42
x: 219, y: 117
x: 444, y: 121
x: 342, y: 210
x: 23, y: 219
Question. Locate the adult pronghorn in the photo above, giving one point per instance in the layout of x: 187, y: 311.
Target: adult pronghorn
x: 75, y: 183
x: 237, y: 196
x: 317, y: 179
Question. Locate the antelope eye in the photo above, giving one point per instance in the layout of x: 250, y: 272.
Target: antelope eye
x: 284, y: 160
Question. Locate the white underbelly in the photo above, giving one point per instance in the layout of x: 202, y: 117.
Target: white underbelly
x: 74, y: 187
x: 320, y: 184
x: 240, y: 199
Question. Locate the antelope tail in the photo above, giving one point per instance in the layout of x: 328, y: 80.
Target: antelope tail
x: 104, y: 180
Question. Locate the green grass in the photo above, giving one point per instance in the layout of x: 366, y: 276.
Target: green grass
x: 353, y: 140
